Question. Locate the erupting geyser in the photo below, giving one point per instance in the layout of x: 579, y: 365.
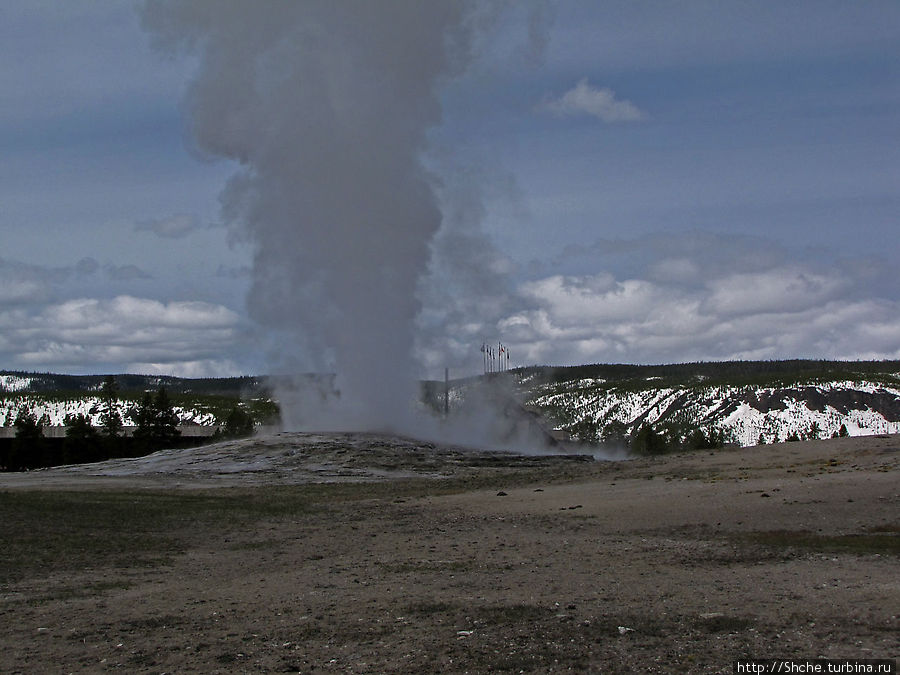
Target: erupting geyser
x: 325, y: 106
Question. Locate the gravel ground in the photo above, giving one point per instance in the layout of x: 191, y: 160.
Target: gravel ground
x: 419, y: 558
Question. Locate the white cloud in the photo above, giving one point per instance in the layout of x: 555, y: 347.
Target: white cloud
x: 579, y: 301
x: 668, y: 298
x: 646, y: 322
x: 123, y: 332
x: 28, y: 285
x: 131, y: 312
x: 585, y: 99
x: 681, y: 309
x: 21, y: 283
x: 676, y: 297
x: 788, y: 289
x: 16, y: 291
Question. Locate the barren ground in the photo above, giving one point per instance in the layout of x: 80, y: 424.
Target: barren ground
x: 415, y: 558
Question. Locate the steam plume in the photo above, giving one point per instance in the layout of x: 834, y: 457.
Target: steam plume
x: 325, y: 106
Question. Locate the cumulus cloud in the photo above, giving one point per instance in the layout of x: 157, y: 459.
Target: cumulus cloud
x: 699, y: 296
x: 124, y: 331
x: 173, y: 227
x: 590, y: 299
x: 18, y: 291
x: 21, y: 283
x: 29, y: 285
x: 658, y: 298
x: 134, y: 312
x: 636, y: 320
x: 585, y: 99
x: 780, y: 290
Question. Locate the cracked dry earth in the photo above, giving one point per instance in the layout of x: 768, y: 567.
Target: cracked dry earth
x: 676, y: 564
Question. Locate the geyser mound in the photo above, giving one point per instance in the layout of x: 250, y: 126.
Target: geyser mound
x: 292, y: 458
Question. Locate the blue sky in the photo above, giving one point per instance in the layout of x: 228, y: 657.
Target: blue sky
x: 651, y: 181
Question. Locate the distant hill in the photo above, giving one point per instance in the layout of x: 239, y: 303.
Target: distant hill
x: 741, y: 402
x: 197, y: 401
x: 37, y: 383
x: 737, y: 402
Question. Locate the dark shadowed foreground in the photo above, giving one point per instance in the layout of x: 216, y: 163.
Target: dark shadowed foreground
x: 418, y: 558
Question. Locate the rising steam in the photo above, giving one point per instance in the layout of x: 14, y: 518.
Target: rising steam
x: 325, y: 106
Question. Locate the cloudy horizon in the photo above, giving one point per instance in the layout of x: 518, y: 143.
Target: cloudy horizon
x: 630, y: 182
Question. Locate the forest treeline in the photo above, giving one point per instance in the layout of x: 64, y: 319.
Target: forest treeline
x: 156, y: 428
x: 665, y: 437
x: 245, y: 385
x: 711, y: 373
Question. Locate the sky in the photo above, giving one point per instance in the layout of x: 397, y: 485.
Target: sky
x: 628, y: 182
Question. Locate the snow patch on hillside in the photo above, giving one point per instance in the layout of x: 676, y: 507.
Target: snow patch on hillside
x: 777, y: 413
x: 747, y: 424
x: 55, y: 412
x: 14, y: 383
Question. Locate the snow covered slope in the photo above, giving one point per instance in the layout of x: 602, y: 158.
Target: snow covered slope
x: 13, y: 383
x: 196, y: 401
x: 745, y: 414
x: 56, y: 410
x: 742, y: 402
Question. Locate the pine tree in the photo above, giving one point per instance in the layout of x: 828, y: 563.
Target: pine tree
x: 238, y: 424
x: 648, y: 442
x: 110, y: 417
x: 79, y: 427
x: 706, y: 440
x: 82, y: 439
x: 166, y: 421
x: 157, y: 423
x: 28, y: 426
x: 614, y: 433
x: 142, y: 416
x: 697, y: 440
x: 28, y: 442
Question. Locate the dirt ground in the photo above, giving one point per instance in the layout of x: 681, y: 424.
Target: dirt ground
x: 676, y: 564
